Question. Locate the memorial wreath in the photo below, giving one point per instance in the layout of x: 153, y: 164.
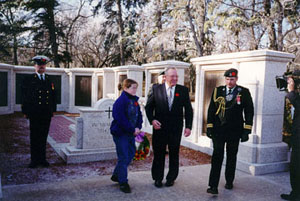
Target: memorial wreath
x: 142, y: 147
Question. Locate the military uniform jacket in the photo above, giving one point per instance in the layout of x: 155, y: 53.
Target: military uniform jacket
x: 235, y: 113
x: 38, y: 97
x: 294, y: 98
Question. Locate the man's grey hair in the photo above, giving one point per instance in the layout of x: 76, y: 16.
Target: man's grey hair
x: 170, y: 68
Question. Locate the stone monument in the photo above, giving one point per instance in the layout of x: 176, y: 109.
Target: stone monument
x: 92, y: 140
x: 264, y: 152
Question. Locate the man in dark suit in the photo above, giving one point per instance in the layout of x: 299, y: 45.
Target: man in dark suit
x: 38, y: 105
x: 166, y: 106
x: 229, y: 120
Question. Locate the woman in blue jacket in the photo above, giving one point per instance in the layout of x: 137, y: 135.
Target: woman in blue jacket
x: 126, y: 124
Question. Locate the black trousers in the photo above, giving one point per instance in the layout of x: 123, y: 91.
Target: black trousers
x: 160, y: 140
x: 232, y: 146
x: 295, y: 163
x: 39, y: 128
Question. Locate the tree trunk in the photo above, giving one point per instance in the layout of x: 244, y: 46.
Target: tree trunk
x: 15, y: 49
x: 197, y: 43
x: 121, y: 32
x: 279, y: 24
x: 254, y: 43
x: 158, y: 15
x: 52, y: 34
x: 270, y: 25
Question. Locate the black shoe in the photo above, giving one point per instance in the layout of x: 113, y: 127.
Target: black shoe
x: 125, y: 188
x: 45, y: 164
x: 290, y: 197
x: 169, y: 183
x: 33, y: 165
x: 229, y: 186
x: 212, y: 190
x: 114, y: 178
x: 158, y: 183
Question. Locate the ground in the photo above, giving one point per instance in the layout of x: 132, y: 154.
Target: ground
x: 15, y: 157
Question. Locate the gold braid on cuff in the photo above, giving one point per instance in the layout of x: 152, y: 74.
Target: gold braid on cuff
x: 209, y: 126
x: 247, y: 127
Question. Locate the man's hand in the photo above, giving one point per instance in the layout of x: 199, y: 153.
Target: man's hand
x: 209, y: 132
x: 137, y: 131
x: 25, y: 116
x: 245, y: 135
x: 291, y: 84
x: 187, y: 132
x: 156, y: 124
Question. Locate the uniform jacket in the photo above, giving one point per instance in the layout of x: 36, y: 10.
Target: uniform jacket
x: 157, y: 107
x: 122, y: 110
x: 235, y: 115
x: 38, y: 97
x: 294, y: 98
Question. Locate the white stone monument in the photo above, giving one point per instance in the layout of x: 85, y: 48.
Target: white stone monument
x: 92, y: 140
x: 264, y: 152
x: 108, y: 83
x: 134, y: 72
x: 8, y: 109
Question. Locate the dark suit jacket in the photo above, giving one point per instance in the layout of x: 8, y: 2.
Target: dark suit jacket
x: 157, y: 108
x: 38, y: 97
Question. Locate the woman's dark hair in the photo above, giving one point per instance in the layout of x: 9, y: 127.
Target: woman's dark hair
x: 126, y: 84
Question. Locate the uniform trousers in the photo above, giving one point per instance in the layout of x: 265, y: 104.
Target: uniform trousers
x: 125, y: 146
x: 295, y: 164
x: 39, y: 128
x: 232, y: 146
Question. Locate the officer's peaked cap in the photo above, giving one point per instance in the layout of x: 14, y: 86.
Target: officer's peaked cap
x: 232, y: 72
x: 40, y: 59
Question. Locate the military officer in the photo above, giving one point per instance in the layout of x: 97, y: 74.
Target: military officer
x: 38, y: 105
x: 229, y: 120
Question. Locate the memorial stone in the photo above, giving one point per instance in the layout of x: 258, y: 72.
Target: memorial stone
x: 92, y: 140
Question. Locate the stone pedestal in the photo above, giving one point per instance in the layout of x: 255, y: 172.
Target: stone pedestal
x: 92, y: 140
x: 134, y: 72
x: 264, y: 152
x: 7, y: 72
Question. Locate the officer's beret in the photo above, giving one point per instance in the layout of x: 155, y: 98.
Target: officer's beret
x: 40, y: 59
x: 232, y: 72
x: 162, y: 73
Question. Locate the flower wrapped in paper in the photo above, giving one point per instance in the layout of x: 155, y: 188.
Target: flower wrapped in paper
x: 142, y: 147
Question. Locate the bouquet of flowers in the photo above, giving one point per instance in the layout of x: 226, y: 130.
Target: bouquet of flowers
x: 142, y: 147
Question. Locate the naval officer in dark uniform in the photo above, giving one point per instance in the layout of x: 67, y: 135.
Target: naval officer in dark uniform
x: 229, y: 120
x: 38, y: 105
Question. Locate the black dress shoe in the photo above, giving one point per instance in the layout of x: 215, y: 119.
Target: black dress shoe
x: 290, y: 197
x: 45, y: 164
x: 229, y: 186
x: 169, y: 183
x: 125, y: 188
x: 114, y: 178
x: 33, y: 165
x: 212, y: 190
x: 158, y: 183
